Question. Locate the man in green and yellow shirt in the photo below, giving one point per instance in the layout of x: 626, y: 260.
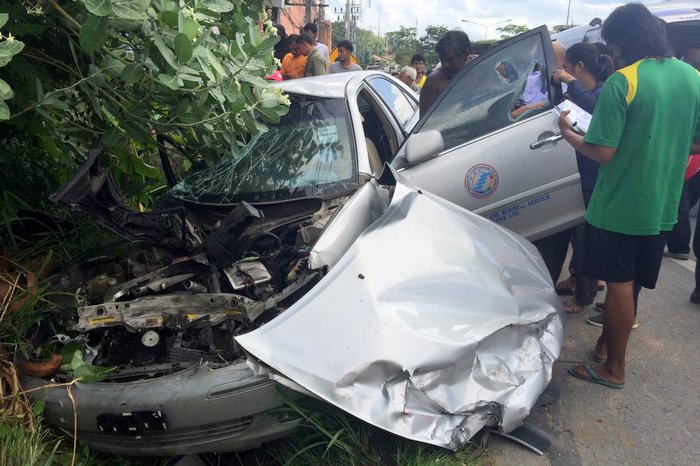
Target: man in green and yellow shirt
x: 642, y: 130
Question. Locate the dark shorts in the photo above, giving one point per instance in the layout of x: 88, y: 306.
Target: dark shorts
x: 616, y: 257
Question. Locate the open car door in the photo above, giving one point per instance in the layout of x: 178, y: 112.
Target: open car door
x: 490, y: 142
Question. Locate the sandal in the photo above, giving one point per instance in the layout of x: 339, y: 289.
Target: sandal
x: 593, y: 377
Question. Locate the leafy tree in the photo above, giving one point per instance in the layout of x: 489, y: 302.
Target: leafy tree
x: 116, y: 73
x: 9, y: 47
x: 337, y: 32
x: 403, y: 44
x: 510, y: 30
x: 369, y: 44
x: 427, y: 44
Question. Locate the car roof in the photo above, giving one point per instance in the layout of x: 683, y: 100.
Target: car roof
x: 670, y: 12
x: 330, y: 85
x: 570, y: 36
x: 675, y: 11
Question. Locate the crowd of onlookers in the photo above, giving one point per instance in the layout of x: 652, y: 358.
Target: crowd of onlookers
x: 302, y: 55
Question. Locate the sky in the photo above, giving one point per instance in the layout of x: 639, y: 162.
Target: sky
x: 389, y: 15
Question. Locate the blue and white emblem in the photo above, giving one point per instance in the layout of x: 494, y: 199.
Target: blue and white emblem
x: 481, y: 181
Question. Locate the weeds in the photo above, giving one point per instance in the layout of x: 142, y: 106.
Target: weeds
x: 329, y: 435
x: 26, y: 235
x: 28, y: 242
x: 27, y: 447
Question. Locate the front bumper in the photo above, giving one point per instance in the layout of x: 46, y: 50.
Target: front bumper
x: 196, y: 410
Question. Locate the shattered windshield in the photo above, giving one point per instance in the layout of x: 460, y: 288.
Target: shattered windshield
x: 307, y: 154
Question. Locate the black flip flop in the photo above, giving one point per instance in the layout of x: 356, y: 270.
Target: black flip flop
x: 593, y: 377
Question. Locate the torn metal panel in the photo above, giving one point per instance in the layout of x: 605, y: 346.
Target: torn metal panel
x: 93, y: 190
x: 433, y: 324
x: 152, y: 311
x: 365, y: 207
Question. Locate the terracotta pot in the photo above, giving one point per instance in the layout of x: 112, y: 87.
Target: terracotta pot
x: 40, y: 368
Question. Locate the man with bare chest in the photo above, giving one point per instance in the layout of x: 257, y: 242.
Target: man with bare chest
x: 453, y: 49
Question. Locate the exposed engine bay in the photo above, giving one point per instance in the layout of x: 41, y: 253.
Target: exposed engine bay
x: 148, y: 318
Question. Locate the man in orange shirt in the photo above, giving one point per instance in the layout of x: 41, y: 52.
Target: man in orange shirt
x: 294, y: 63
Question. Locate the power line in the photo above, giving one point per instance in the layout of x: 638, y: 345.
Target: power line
x: 351, y: 14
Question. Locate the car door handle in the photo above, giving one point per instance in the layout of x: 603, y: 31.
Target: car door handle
x: 545, y: 141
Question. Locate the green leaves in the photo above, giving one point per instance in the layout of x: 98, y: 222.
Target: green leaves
x: 165, y: 51
x: 168, y: 81
x: 9, y: 47
x: 85, y: 372
x: 190, y: 69
x: 98, y: 7
x: 38, y: 407
x: 183, y: 48
x: 169, y: 18
x: 189, y: 27
x: 6, y: 92
x: 94, y: 33
x: 132, y: 73
x: 123, y: 9
x: 4, y: 111
x: 218, y: 6
x: 130, y: 9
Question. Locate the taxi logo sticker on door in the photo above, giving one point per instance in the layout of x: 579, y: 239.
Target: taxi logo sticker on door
x: 481, y: 181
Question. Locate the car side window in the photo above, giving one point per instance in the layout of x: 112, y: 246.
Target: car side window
x: 402, y: 106
x: 507, y: 86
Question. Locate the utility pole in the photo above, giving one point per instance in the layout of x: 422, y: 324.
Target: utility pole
x: 307, y: 13
x: 351, y: 15
x: 346, y: 30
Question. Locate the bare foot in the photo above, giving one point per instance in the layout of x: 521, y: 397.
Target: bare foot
x: 601, y: 349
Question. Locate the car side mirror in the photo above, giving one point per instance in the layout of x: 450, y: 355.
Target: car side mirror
x: 423, y: 146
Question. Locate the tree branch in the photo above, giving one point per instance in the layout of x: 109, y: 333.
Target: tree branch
x: 65, y: 14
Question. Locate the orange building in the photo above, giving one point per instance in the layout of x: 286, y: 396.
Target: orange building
x: 292, y: 18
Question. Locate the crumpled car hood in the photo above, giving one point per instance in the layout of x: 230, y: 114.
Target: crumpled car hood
x: 434, y: 324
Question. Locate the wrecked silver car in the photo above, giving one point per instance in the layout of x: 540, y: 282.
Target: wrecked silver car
x: 305, y: 265
x: 397, y: 306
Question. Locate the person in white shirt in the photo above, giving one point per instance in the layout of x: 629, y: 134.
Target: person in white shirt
x: 312, y: 30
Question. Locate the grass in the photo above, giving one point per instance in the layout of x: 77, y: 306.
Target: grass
x: 329, y: 435
x: 68, y: 240
x: 28, y: 447
x: 25, y: 264
x: 21, y: 445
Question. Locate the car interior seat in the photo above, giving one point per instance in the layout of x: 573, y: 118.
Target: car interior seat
x: 375, y: 162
